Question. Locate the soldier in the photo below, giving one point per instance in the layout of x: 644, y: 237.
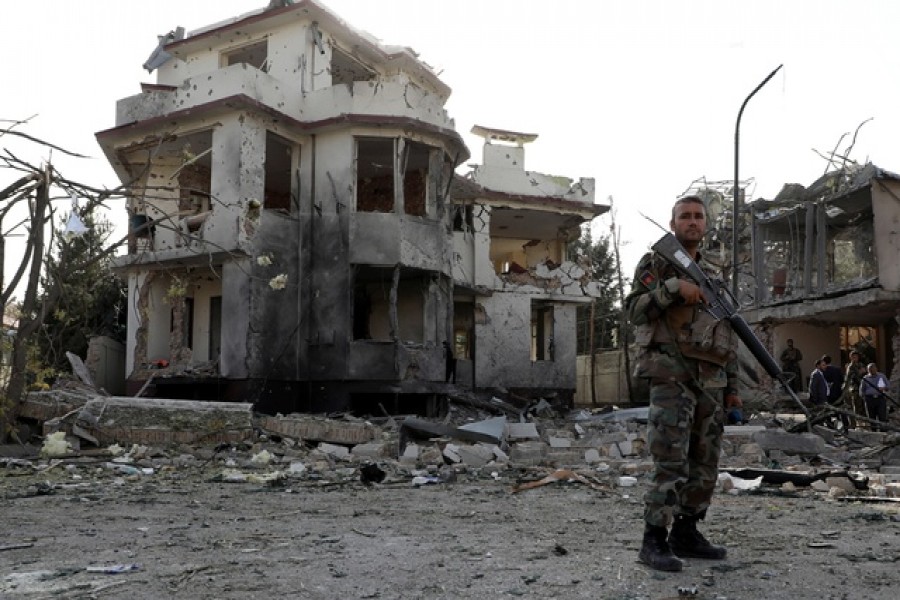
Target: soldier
x: 690, y: 362
x: 790, y: 363
x: 856, y: 370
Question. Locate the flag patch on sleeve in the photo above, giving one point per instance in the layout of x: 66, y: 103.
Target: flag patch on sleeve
x: 647, y: 278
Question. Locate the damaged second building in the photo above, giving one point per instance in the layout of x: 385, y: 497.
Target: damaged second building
x: 299, y: 237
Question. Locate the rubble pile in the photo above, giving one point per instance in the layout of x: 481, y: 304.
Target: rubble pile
x: 228, y: 442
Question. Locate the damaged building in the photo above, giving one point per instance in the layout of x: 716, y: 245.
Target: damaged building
x: 516, y: 289
x: 292, y: 242
x: 826, y: 265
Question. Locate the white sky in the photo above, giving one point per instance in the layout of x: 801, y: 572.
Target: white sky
x: 640, y: 95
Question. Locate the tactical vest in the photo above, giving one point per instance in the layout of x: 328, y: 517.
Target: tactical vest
x: 694, y: 332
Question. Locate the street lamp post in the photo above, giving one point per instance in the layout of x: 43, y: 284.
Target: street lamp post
x: 736, y: 210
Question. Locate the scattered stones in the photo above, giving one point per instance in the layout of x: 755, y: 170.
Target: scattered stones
x: 150, y: 435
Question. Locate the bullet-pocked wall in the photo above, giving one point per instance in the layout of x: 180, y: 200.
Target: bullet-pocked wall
x: 324, y: 263
x: 507, y: 332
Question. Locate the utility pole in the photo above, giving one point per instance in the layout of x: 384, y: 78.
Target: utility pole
x: 736, y: 208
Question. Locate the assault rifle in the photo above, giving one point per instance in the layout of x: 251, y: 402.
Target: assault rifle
x: 721, y: 304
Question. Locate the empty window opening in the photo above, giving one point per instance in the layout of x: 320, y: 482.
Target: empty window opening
x: 256, y: 55
x: 215, y: 327
x: 346, y: 69
x: 380, y: 315
x: 195, y: 184
x: 416, y: 158
x: 375, y: 175
x: 279, y: 161
x: 542, y: 343
x: 463, y: 218
x: 191, y: 159
x: 362, y: 311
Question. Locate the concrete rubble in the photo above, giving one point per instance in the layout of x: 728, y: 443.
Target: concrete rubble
x: 611, y: 452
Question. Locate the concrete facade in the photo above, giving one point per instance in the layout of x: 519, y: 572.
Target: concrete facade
x: 289, y: 239
x: 826, y: 268
x: 516, y: 289
x: 293, y: 241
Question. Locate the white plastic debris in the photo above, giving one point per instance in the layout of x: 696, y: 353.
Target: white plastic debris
x: 627, y: 481
x: 115, y: 450
x: 55, y: 445
x: 421, y: 480
x: 123, y: 469
x: 261, y: 458
x: 736, y: 485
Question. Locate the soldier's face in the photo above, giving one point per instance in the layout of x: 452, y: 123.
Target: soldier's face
x: 688, y: 222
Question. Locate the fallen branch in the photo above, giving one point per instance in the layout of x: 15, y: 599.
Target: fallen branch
x: 566, y: 475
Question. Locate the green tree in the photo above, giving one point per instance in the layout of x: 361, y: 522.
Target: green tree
x: 91, y: 298
x: 598, y: 255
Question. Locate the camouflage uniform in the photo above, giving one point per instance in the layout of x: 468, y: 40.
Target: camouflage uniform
x: 690, y: 361
x: 855, y: 372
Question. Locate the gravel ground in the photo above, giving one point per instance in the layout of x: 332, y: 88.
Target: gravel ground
x: 183, y: 532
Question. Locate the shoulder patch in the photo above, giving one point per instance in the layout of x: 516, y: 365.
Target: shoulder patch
x: 647, y: 278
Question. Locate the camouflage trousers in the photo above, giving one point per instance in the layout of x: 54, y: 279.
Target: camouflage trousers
x: 684, y: 433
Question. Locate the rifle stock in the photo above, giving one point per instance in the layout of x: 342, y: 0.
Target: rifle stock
x: 722, y: 305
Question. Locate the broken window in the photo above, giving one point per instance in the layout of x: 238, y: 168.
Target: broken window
x: 375, y: 175
x: 542, y: 343
x: 194, y: 183
x: 414, y: 168
x: 853, y: 254
x: 255, y: 54
x: 279, y: 161
x: 346, y: 69
x: 386, y: 308
x: 812, y: 247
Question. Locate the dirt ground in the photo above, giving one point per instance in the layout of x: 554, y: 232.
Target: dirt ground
x: 84, y: 529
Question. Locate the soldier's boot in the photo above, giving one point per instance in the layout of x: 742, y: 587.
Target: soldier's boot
x: 687, y: 542
x: 655, y: 551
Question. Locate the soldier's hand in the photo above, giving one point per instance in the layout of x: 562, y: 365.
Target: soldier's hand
x: 690, y: 292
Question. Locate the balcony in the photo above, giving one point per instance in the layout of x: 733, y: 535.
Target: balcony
x: 394, y: 97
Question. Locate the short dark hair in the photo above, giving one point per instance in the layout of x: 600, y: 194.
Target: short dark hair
x: 826, y: 359
x: 689, y: 199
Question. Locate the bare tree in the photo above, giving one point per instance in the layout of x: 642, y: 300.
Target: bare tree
x: 32, y: 193
x: 623, y: 319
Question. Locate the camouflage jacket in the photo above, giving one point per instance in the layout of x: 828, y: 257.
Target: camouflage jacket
x: 676, y: 341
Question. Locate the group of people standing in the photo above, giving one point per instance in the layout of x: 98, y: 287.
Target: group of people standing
x: 861, y: 387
